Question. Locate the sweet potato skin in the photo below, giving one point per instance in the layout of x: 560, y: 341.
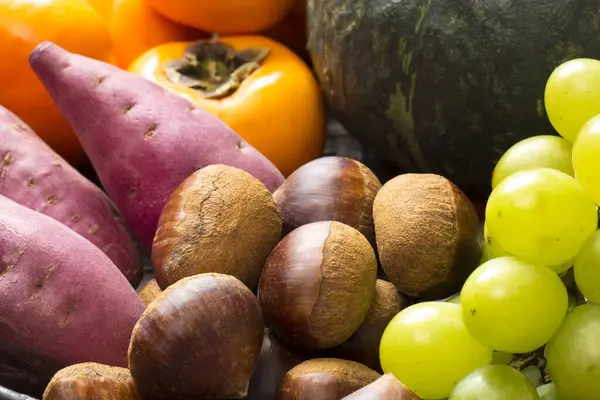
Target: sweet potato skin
x: 142, y: 139
x: 33, y: 175
x: 62, y: 301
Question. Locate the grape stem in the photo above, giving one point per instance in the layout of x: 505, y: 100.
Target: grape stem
x: 536, y: 359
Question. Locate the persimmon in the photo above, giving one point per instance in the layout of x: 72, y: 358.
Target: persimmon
x: 225, y: 16
x: 259, y: 87
x: 103, y: 7
x: 136, y: 28
x: 72, y: 24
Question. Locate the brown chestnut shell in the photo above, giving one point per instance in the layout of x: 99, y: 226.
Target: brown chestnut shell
x: 329, y: 189
x: 385, y: 388
x: 88, y: 381
x: 199, y: 339
x: 317, y: 285
x: 427, y: 235
x: 325, y: 379
x: 363, y: 345
x: 149, y: 292
x: 220, y: 219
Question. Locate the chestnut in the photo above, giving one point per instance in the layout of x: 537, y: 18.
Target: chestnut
x: 329, y: 189
x: 363, y: 345
x: 427, y: 235
x: 325, y: 379
x: 220, y: 219
x: 275, y: 360
x: 199, y: 339
x: 317, y: 285
x: 385, y: 388
x: 91, y: 381
x: 149, y: 292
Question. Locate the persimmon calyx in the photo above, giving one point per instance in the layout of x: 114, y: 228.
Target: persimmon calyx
x: 216, y: 70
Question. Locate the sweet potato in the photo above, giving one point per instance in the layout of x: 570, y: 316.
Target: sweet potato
x: 142, y: 139
x: 33, y: 175
x: 62, y: 301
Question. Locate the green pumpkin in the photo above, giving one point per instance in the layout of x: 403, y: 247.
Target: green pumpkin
x: 446, y: 86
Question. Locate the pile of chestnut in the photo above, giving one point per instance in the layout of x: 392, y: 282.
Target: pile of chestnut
x: 286, y: 295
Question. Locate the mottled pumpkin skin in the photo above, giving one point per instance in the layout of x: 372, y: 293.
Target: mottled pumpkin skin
x: 446, y: 86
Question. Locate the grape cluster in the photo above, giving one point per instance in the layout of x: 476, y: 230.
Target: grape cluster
x: 541, y: 224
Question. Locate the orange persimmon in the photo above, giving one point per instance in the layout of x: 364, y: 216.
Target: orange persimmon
x: 104, y: 7
x: 72, y: 24
x: 225, y: 16
x: 260, y: 88
x: 136, y: 28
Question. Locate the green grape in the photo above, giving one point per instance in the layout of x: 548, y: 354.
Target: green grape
x: 548, y: 392
x: 427, y: 347
x: 542, y: 216
x: 586, y: 158
x: 454, y: 299
x: 502, y: 358
x: 513, y: 306
x: 572, y: 96
x: 573, y: 354
x: 494, y: 382
x: 587, y: 269
x: 492, y: 250
x: 535, y: 152
x: 562, y: 268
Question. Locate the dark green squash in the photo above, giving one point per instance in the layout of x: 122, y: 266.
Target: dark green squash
x: 446, y: 86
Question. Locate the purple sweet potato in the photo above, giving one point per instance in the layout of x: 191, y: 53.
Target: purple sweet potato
x: 142, y: 139
x: 33, y: 175
x: 62, y: 301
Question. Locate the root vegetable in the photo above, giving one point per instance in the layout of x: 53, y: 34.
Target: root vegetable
x: 142, y: 139
x: 62, y: 301
x: 33, y: 175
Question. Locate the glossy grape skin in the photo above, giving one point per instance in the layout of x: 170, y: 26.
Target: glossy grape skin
x: 492, y: 250
x: 495, y: 382
x: 587, y: 269
x: 513, y: 306
x: 572, y: 96
x: 454, y: 299
x: 573, y: 354
x: 502, y: 358
x: 543, y: 151
x: 542, y: 216
x: 560, y: 268
x: 586, y: 159
x: 498, y: 357
x: 427, y: 347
